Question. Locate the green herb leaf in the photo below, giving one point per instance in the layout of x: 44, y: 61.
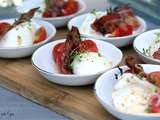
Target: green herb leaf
x: 94, y: 12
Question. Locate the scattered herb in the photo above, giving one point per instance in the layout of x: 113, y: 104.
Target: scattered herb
x: 147, y: 110
x: 19, y: 37
x: 146, y: 51
x: 94, y: 12
x: 73, y: 55
x: 19, y: 40
x: 109, y: 10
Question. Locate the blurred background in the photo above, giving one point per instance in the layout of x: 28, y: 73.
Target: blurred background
x: 149, y: 9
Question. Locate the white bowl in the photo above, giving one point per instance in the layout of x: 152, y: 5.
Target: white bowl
x: 144, y: 41
x: 18, y: 52
x: 117, y: 41
x: 104, y: 87
x: 56, y: 21
x: 48, y: 69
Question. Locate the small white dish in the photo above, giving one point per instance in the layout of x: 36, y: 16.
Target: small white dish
x: 104, y: 87
x: 47, y: 67
x: 56, y: 21
x: 143, y: 41
x: 117, y: 41
x: 19, y: 52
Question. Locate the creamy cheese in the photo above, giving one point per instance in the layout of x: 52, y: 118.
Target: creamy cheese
x: 131, y: 94
x: 90, y: 63
x: 21, y: 35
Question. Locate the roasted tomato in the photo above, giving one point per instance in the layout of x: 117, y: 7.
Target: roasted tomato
x: 123, y: 30
x: 47, y: 14
x: 58, y: 53
x: 3, y: 27
x: 154, y: 103
x: 119, y: 22
x: 40, y: 35
x: 70, y: 7
x: 132, y: 21
x: 87, y: 45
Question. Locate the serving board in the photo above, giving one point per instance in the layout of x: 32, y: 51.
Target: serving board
x: 77, y: 103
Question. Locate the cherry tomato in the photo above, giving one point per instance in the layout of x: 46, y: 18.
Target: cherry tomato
x: 58, y: 50
x: 132, y: 21
x: 87, y: 45
x: 58, y: 54
x: 47, y: 14
x: 123, y: 30
x: 4, y: 26
x: 154, y: 105
x: 70, y: 7
x: 40, y: 35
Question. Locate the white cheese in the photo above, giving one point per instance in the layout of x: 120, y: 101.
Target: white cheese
x: 131, y: 94
x: 90, y: 63
x: 21, y: 35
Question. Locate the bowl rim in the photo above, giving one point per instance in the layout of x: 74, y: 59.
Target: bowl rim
x: 73, y: 75
x: 142, y: 21
x: 81, y: 10
x: 113, y: 108
x: 138, y: 51
x: 52, y: 28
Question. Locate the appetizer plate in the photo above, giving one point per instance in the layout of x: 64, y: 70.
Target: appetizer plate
x: 104, y: 87
x: 18, y: 52
x: 56, y: 21
x: 47, y: 68
x: 142, y: 42
x: 117, y: 41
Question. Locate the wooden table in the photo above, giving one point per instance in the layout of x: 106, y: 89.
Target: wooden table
x: 78, y: 103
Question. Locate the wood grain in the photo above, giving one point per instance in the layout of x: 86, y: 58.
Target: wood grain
x: 78, y: 103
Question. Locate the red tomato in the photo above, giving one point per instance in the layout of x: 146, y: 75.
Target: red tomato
x: 132, y: 21
x: 154, y: 105
x: 40, y: 35
x: 87, y: 45
x: 47, y: 14
x: 58, y: 50
x: 123, y: 30
x: 4, y: 26
x: 70, y: 7
x: 58, y: 54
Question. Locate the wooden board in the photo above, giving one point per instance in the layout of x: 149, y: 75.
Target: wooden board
x: 77, y: 103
